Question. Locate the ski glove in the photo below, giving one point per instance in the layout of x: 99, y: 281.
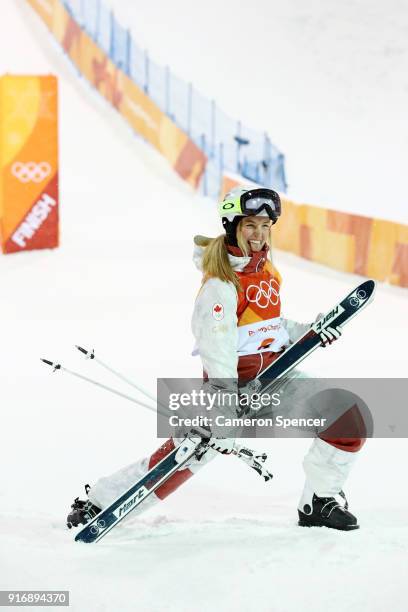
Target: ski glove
x: 249, y: 397
x: 329, y: 334
x: 225, y: 446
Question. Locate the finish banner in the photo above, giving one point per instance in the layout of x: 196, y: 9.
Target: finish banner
x: 28, y: 163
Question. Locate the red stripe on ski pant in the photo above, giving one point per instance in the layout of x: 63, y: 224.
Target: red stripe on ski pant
x: 174, y: 481
x: 348, y: 433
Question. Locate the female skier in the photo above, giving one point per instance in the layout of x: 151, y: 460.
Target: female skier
x: 239, y: 332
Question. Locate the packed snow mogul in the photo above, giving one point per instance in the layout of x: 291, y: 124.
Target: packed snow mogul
x: 239, y: 331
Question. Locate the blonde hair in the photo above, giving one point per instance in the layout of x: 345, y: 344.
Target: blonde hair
x: 216, y: 263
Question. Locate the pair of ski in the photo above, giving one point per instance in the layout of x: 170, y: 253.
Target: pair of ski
x: 189, y: 448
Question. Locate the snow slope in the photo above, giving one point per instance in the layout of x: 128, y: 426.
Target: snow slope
x: 123, y: 283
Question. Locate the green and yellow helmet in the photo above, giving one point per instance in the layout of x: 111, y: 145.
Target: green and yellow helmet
x: 245, y: 201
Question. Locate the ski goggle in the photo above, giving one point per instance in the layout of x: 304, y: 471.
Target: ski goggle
x: 252, y: 202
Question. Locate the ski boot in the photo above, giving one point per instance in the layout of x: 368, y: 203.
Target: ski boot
x: 82, y: 511
x: 327, y: 512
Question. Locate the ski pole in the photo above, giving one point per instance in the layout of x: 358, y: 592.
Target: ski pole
x: 58, y: 366
x: 91, y: 355
x: 243, y: 453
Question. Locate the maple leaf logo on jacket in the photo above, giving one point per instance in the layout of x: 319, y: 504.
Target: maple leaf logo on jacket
x: 218, y: 312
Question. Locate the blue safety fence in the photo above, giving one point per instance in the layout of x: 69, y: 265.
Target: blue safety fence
x: 228, y: 145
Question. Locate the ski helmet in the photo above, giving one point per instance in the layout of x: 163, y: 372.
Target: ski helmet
x: 244, y: 201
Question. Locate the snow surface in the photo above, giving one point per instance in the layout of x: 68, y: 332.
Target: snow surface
x: 123, y: 283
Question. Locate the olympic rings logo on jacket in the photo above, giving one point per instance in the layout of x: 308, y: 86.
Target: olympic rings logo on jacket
x: 265, y: 294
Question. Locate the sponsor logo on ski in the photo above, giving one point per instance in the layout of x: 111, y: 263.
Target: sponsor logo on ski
x: 131, y: 502
x: 358, y: 298
x: 98, y: 527
x: 319, y: 325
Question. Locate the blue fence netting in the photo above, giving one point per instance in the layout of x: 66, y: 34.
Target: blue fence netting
x: 228, y: 145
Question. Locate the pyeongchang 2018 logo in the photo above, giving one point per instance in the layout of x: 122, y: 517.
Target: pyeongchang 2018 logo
x: 264, y: 329
x: 31, y: 172
x: 264, y: 295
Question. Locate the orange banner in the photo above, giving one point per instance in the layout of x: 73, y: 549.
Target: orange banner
x: 100, y: 71
x: 352, y: 243
x: 28, y: 163
x: 190, y: 163
x: 67, y: 32
x: 140, y: 111
x: 45, y: 8
x: 152, y: 124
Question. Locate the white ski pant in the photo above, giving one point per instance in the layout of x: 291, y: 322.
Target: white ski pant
x: 326, y: 468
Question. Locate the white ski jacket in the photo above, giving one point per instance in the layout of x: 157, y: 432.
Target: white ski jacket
x: 223, y: 335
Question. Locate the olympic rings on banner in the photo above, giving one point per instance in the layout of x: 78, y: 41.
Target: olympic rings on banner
x: 31, y: 171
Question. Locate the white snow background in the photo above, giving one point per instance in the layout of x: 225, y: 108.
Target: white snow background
x: 123, y: 283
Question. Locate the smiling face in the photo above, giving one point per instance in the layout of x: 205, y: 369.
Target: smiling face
x: 254, y: 232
